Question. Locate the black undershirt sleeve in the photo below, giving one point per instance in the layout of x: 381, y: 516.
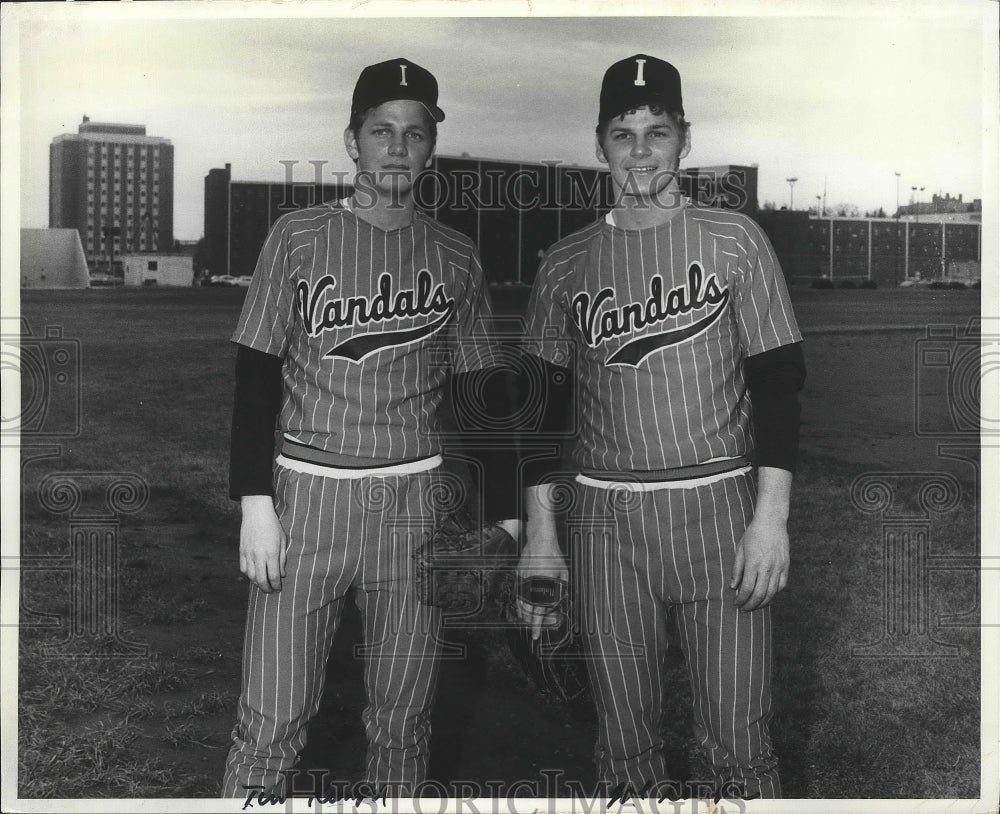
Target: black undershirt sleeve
x: 774, y: 379
x: 255, y: 410
x: 484, y: 402
x: 556, y: 409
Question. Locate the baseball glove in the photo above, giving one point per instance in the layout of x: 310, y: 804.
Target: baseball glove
x: 555, y: 662
x: 460, y: 567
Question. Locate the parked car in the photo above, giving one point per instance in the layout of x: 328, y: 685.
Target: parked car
x: 102, y: 280
x: 226, y: 280
x: 244, y: 280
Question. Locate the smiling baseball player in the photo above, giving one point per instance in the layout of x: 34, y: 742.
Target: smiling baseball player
x: 687, y: 362
x: 359, y: 316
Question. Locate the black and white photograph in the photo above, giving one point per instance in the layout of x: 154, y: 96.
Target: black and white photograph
x: 500, y: 407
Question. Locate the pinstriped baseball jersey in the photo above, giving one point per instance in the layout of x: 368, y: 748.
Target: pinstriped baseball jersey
x: 370, y: 323
x: 661, y: 318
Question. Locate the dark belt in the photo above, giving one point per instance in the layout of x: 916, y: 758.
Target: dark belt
x: 673, y: 474
x: 297, y: 451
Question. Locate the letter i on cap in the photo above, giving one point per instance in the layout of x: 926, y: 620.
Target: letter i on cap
x: 396, y: 79
x: 638, y: 81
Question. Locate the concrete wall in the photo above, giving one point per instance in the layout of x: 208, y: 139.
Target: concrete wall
x: 53, y: 258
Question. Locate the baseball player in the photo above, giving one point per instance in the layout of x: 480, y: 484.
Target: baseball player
x: 687, y: 361
x: 360, y: 315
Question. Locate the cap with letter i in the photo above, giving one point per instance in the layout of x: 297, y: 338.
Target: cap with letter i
x: 396, y: 79
x: 637, y: 81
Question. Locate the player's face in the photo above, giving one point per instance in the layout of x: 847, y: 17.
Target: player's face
x: 643, y: 151
x: 393, y: 145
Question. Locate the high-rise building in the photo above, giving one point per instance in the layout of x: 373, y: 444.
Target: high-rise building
x: 115, y: 185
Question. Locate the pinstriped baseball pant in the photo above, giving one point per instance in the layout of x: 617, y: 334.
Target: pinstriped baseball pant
x: 341, y: 533
x: 635, y: 557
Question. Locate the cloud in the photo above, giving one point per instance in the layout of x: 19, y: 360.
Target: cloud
x: 811, y: 97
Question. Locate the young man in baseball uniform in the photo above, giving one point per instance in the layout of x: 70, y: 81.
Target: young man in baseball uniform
x: 687, y: 361
x: 360, y: 314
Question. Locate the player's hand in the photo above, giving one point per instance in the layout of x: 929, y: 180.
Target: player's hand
x: 263, y: 543
x: 541, y: 557
x: 761, y: 566
x: 512, y: 527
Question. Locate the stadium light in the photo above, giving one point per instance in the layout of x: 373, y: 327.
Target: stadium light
x: 916, y: 206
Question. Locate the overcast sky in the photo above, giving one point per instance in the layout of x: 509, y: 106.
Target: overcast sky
x: 842, y: 98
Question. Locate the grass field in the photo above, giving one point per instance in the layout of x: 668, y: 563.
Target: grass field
x: 155, y: 394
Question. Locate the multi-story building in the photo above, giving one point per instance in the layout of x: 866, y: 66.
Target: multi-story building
x: 513, y: 210
x: 728, y: 186
x: 958, y: 209
x: 115, y: 186
x: 885, y: 251
x: 238, y: 215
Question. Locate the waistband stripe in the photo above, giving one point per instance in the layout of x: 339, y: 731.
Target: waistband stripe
x: 671, y: 475
x: 303, y: 458
x: 298, y: 451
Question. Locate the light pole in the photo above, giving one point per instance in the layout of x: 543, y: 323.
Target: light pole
x: 916, y: 206
x: 791, y: 193
x: 819, y: 206
x: 897, y: 195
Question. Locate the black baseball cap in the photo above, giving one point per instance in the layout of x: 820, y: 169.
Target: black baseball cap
x: 637, y: 81
x: 396, y: 79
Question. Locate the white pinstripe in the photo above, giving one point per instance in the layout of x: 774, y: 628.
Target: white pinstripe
x: 692, y: 370
x: 624, y: 620
x: 318, y: 369
x: 656, y: 424
x: 712, y: 376
x: 732, y: 704
x: 383, y: 407
x: 722, y: 381
x: 358, y: 399
x: 692, y: 392
x: 704, y: 421
x: 362, y: 548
